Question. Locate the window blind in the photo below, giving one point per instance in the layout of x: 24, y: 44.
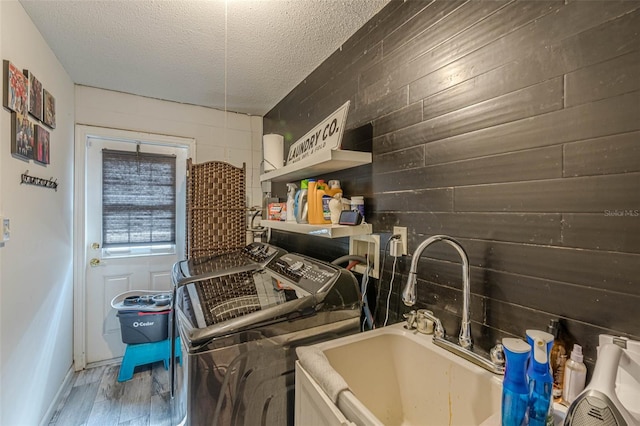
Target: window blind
x: 138, y: 198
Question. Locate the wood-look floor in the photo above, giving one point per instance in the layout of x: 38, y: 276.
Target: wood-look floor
x: 97, y: 398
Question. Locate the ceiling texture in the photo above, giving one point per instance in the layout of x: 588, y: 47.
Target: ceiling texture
x: 234, y: 55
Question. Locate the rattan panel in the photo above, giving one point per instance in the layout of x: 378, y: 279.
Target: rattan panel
x: 216, y: 211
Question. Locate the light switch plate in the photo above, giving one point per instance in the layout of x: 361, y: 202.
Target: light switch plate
x: 402, y: 231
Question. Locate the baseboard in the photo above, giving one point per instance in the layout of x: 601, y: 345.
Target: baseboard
x: 62, y: 392
x: 107, y: 362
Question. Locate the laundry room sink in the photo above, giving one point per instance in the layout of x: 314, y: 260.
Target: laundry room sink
x: 398, y: 377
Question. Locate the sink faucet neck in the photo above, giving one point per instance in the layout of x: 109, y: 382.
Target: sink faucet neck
x: 409, y: 292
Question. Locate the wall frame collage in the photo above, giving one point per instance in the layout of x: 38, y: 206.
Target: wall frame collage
x: 33, y: 114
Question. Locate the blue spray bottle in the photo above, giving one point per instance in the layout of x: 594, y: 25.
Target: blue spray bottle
x: 540, y: 379
x: 515, y: 390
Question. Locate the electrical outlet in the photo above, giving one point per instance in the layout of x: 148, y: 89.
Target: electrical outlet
x: 5, y: 235
x: 402, y: 231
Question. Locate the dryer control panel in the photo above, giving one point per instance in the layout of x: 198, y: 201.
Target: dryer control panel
x: 308, y: 274
x: 260, y: 252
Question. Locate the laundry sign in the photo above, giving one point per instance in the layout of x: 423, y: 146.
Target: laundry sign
x: 325, y: 136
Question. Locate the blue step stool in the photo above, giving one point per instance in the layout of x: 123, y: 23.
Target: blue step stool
x: 146, y: 353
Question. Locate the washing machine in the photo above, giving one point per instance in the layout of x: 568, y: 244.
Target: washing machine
x: 239, y: 332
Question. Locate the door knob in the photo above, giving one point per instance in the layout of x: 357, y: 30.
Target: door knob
x: 94, y: 262
x: 95, y: 246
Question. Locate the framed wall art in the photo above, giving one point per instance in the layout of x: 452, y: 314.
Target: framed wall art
x: 41, y: 153
x: 16, y: 89
x: 35, y: 95
x: 49, y: 109
x: 22, y: 137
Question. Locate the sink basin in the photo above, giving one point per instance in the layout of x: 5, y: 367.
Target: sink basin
x: 399, y: 377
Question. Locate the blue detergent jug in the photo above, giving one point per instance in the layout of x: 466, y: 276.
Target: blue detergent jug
x: 540, y: 378
x: 515, y: 390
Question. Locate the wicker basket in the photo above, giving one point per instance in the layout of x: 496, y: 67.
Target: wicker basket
x: 216, y: 211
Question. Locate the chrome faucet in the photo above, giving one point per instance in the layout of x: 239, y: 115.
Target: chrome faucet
x: 465, y: 343
x: 409, y: 292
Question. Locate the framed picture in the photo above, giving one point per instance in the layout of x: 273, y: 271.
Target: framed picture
x: 22, y: 137
x: 41, y: 152
x: 16, y: 89
x: 35, y: 95
x: 49, y: 109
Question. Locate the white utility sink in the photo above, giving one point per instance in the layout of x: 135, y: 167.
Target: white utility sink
x: 398, y: 377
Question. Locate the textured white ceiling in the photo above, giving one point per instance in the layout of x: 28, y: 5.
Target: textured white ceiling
x: 177, y: 50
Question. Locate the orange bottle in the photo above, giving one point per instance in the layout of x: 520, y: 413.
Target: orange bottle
x: 311, y: 201
x: 316, y: 191
x: 323, y: 205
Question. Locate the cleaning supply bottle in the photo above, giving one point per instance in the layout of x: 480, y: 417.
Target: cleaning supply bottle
x: 557, y: 358
x: 515, y: 390
x: 575, y: 375
x: 291, y: 196
x: 540, y: 404
x: 357, y: 204
x: 334, y: 188
x: 317, y: 204
x: 335, y: 205
x: 312, y: 201
x: 324, y: 198
x: 300, y: 203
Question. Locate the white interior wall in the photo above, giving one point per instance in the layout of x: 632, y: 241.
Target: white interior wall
x: 36, y: 290
x: 234, y: 138
x: 36, y: 310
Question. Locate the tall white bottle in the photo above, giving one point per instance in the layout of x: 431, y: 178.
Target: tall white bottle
x: 291, y: 195
x: 575, y: 375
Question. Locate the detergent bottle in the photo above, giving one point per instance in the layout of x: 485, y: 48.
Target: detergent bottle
x: 540, y: 380
x: 312, y: 201
x: 291, y: 196
x: 300, y: 206
x: 515, y: 390
x: 317, y: 202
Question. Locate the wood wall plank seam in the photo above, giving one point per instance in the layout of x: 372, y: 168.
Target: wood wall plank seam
x: 548, y: 232
x: 450, y: 9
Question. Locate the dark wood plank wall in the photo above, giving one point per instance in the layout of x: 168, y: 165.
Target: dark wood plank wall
x: 513, y: 126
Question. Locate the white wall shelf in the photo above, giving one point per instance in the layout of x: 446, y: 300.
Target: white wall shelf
x: 326, y: 231
x: 324, y: 162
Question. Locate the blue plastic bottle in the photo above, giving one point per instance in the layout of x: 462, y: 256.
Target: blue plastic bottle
x: 540, y: 379
x: 515, y: 390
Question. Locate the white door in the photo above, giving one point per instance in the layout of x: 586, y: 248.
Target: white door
x: 109, y: 271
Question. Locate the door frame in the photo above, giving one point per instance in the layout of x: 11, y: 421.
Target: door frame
x: 82, y: 133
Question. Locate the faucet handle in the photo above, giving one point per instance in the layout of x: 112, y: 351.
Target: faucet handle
x: 497, y: 354
x: 411, y: 318
x: 438, y: 329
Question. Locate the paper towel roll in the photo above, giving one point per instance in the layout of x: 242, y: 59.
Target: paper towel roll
x: 273, y: 151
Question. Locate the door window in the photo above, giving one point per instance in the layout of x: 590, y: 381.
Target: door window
x: 138, y: 203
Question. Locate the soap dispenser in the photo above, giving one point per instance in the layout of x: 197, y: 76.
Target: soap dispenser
x: 515, y: 391
x: 540, y: 379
